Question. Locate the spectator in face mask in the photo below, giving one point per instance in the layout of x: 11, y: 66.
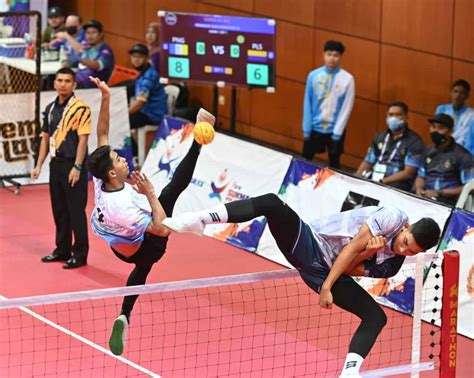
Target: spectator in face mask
x: 150, y: 98
x: 447, y: 166
x: 73, y: 39
x: 396, y: 153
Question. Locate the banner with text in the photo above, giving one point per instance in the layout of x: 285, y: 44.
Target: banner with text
x: 459, y: 236
x: 316, y: 192
x: 228, y: 169
x: 17, y: 135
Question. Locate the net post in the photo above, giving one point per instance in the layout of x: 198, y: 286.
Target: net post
x: 449, y: 314
x: 417, y: 307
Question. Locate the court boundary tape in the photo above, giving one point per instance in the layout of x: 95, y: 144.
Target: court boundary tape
x: 86, y: 341
x: 401, y: 369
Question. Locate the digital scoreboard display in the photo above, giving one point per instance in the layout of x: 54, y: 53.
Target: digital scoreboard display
x: 219, y: 49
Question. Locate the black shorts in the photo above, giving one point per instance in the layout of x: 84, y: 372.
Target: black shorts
x: 319, y: 142
x: 308, y: 259
x: 151, y: 250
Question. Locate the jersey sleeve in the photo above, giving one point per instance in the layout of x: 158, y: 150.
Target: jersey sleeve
x: 387, y: 221
x: 346, y: 109
x: 415, y: 152
x: 105, y: 59
x: 84, y: 122
x: 45, y: 127
x: 466, y: 167
x: 146, y: 85
x: 308, y: 106
x: 372, y: 154
x: 388, y: 268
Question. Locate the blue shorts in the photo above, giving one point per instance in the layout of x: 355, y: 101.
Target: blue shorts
x: 307, y: 258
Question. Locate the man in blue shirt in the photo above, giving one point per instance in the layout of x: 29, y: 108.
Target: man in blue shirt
x: 396, y: 153
x: 447, y: 166
x: 328, y: 102
x: 371, y: 241
x: 150, y: 97
x: 462, y: 114
x: 97, y: 59
x: 73, y: 40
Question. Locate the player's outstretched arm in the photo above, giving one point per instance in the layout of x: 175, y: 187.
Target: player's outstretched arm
x: 104, y: 114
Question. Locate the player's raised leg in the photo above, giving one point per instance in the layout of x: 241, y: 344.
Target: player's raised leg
x: 184, y: 172
x: 283, y: 222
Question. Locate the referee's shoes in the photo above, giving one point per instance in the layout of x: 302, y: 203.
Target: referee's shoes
x: 118, y: 336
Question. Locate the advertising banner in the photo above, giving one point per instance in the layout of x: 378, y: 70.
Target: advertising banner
x: 228, y: 169
x: 17, y: 135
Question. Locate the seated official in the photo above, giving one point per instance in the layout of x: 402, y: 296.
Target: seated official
x: 447, y: 166
x: 396, y: 153
x: 97, y: 59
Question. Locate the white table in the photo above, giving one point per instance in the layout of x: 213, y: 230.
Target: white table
x: 29, y: 65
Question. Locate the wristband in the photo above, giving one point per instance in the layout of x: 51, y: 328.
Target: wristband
x: 78, y: 166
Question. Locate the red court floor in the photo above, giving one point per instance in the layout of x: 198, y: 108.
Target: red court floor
x: 27, y: 233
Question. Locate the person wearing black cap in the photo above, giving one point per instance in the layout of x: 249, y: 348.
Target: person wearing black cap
x: 150, y: 98
x: 97, y: 59
x: 447, y: 166
x: 55, y: 24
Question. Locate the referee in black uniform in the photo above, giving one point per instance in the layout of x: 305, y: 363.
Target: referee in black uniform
x: 66, y: 128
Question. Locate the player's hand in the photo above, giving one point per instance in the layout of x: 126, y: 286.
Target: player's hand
x: 102, y: 85
x: 35, y: 173
x: 142, y: 184
x: 74, y: 175
x: 325, y: 298
x: 375, y: 244
x: 60, y: 36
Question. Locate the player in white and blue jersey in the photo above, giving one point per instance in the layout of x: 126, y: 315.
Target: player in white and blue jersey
x: 129, y: 217
x: 371, y: 241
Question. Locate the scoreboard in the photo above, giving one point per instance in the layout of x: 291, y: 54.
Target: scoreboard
x: 218, y: 49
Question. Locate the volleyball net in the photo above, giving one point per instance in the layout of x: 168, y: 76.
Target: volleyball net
x: 259, y: 324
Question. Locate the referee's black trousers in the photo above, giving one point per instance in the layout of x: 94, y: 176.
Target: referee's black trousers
x: 69, y: 209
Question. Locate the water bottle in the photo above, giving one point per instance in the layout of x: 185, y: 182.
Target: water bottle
x: 62, y: 54
x: 29, y: 46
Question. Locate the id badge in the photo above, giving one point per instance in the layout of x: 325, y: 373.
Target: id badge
x: 52, y: 145
x: 378, y: 172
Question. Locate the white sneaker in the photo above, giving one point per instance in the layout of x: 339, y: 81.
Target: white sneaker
x: 204, y: 116
x: 188, y: 222
x: 119, y: 335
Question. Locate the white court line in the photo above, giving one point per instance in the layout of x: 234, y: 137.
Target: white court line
x: 395, y: 370
x: 86, y: 341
